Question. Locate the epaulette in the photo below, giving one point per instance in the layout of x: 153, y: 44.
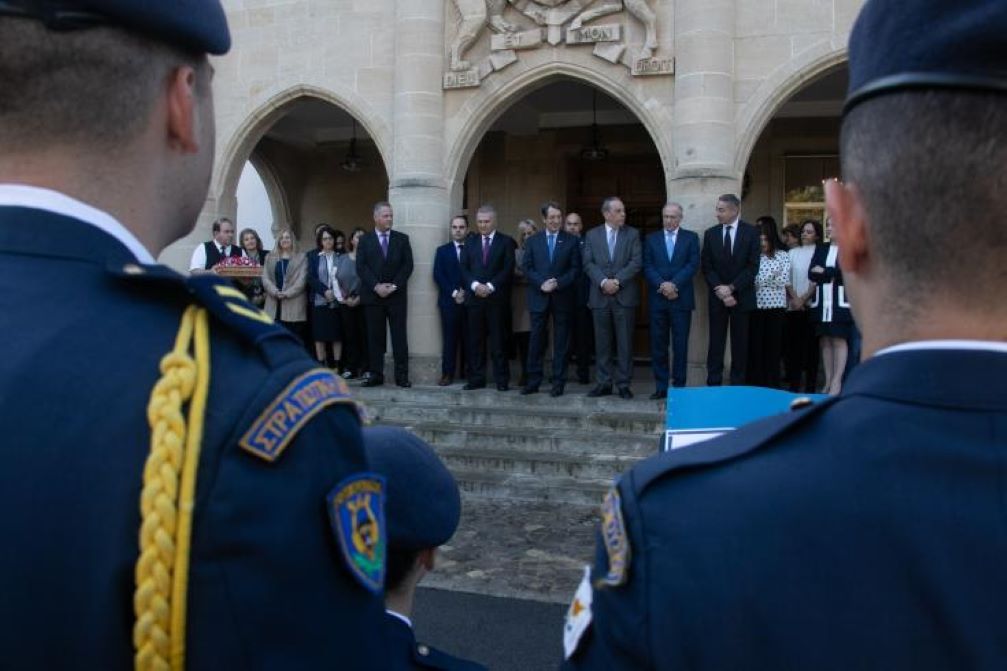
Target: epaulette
x: 225, y: 302
x: 730, y: 445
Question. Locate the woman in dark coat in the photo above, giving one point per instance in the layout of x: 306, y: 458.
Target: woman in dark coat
x: 830, y: 312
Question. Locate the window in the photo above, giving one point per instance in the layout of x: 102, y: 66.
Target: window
x: 804, y: 193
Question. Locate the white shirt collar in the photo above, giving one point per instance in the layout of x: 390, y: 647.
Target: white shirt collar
x: 734, y: 223
x: 400, y: 616
x: 490, y: 236
x: 610, y: 228
x: 972, y: 345
x: 37, y: 198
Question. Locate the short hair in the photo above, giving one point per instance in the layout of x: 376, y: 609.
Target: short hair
x: 398, y: 565
x: 379, y: 205
x: 93, y: 87
x: 550, y: 204
x: 258, y: 240
x: 929, y: 168
x: 731, y: 199
x: 459, y: 216
x: 672, y: 203
x: 606, y: 204
x: 793, y: 230
x: 218, y: 222
x: 322, y: 230
x: 486, y: 209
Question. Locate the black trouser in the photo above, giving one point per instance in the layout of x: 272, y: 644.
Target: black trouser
x: 765, y: 342
x: 453, y: 335
x: 487, y: 320
x: 801, y: 351
x: 723, y: 318
x: 582, y: 341
x: 395, y: 316
x: 537, y: 346
x: 354, y: 339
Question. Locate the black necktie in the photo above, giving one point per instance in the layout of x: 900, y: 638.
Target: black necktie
x: 727, y: 240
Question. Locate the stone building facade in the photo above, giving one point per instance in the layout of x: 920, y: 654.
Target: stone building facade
x: 451, y: 103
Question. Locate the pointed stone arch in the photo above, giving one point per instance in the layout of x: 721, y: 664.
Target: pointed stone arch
x: 467, y: 128
x: 774, y: 91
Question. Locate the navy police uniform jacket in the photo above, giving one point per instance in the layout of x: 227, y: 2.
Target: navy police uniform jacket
x: 867, y: 532
x: 412, y: 656
x: 84, y: 327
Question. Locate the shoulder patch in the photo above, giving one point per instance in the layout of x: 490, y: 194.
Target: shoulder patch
x: 357, y: 513
x: 230, y: 306
x: 613, y: 534
x: 301, y: 400
x: 578, y: 616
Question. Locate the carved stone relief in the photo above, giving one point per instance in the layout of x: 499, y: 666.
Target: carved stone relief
x: 552, y: 22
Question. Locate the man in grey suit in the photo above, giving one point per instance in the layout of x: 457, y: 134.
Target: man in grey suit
x: 612, y: 260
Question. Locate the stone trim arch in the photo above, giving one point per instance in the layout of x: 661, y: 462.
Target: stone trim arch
x: 279, y: 204
x: 248, y: 133
x: 776, y: 89
x: 481, y: 110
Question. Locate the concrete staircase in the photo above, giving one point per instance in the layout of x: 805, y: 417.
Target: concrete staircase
x: 502, y: 445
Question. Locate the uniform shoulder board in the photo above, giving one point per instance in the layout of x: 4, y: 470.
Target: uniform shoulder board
x: 230, y: 306
x: 728, y: 446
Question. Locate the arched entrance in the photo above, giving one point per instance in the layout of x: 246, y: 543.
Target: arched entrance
x: 796, y: 150
x: 318, y: 164
x: 570, y: 142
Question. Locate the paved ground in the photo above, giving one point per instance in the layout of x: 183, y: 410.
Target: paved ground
x: 533, y: 551
x: 503, y: 634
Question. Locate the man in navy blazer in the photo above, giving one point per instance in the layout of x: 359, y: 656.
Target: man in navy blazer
x: 384, y: 264
x: 730, y: 261
x: 670, y: 260
x: 865, y: 531
x: 552, y: 264
x: 450, y: 299
x: 487, y: 272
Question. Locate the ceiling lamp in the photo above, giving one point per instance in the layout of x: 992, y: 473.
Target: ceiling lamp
x: 595, y: 152
x: 352, y: 162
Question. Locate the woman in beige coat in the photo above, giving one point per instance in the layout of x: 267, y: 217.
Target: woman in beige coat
x: 284, y: 278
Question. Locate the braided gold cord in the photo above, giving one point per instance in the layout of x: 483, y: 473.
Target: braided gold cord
x: 160, y: 544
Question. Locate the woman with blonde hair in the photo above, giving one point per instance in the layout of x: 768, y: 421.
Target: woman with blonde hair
x: 284, y: 278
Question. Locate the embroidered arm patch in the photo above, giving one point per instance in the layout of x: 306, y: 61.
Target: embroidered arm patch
x: 613, y: 534
x: 357, y: 513
x: 302, y: 399
x: 578, y: 616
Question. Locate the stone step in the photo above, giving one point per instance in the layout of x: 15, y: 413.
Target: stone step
x: 523, y: 487
x: 582, y: 444
x: 639, y: 423
x: 575, y: 399
x: 550, y: 464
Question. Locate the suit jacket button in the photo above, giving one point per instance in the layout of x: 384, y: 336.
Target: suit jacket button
x: 422, y: 649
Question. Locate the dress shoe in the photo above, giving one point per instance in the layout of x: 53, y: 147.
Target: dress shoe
x: 503, y: 387
x: 659, y: 395
x: 600, y: 390
x: 624, y: 392
x: 474, y: 385
x: 445, y: 381
x: 557, y: 390
x: 405, y: 384
x: 372, y: 381
x: 529, y: 390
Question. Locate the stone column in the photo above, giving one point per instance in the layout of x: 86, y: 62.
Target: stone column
x: 703, y: 132
x: 417, y: 188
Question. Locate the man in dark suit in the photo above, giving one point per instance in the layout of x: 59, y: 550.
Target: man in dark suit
x: 612, y: 259
x: 552, y: 262
x: 730, y: 261
x: 487, y: 273
x: 169, y: 452
x: 384, y: 264
x: 451, y: 298
x: 582, y: 325
x: 670, y: 260
x: 865, y: 531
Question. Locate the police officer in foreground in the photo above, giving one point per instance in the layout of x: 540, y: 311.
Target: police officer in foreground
x: 867, y: 531
x: 180, y: 486
x: 423, y: 510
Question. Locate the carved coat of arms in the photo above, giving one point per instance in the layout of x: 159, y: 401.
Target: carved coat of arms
x: 554, y: 22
